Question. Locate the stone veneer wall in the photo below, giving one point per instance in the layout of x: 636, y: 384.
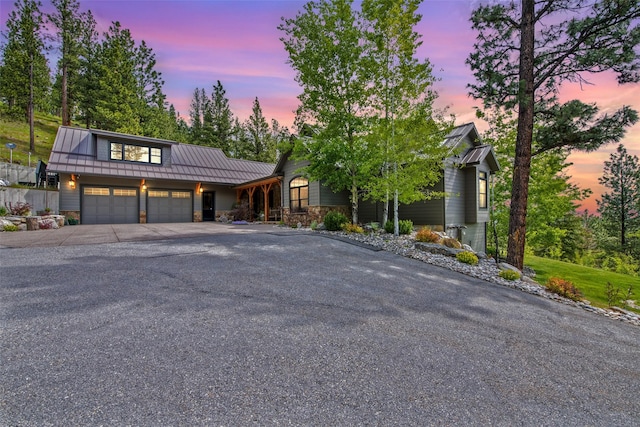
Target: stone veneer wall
x: 314, y: 213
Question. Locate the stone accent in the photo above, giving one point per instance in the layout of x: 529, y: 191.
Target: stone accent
x: 314, y: 213
x: 72, y: 215
x: 197, y: 216
x: 143, y: 217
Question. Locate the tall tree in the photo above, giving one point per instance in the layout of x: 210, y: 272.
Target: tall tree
x: 24, y: 75
x: 89, y: 79
x: 326, y: 49
x: 621, y: 206
x: 525, y: 51
x: 197, y: 109
x: 403, y: 94
x: 218, y: 120
x: 552, y: 200
x: 68, y: 22
x: 261, y: 145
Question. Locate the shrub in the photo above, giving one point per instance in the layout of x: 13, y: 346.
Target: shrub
x: 450, y: 242
x: 3, y: 211
x: 314, y: 224
x: 615, y: 297
x: 405, y: 226
x: 509, y: 274
x: 352, y: 228
x: 467, y: 257
x: 426, y: 235
x: 10, y: 227
x: 240, y: 212
x: 333, y: 220
x: 564, y: 288
x: 19, y: 209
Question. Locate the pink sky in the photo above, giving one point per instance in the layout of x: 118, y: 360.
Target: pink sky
x: 197, y: 42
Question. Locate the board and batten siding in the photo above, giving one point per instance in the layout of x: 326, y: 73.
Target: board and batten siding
x: 454, y: 202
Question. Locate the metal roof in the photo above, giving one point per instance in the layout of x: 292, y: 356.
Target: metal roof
x: 74, y: 151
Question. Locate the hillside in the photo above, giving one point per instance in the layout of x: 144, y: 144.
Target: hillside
x: 17, y: 132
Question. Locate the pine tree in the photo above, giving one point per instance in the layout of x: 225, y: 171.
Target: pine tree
x: 24, y: 76
x: 621, y: 206
x: 262, y: 147
x: 218, y: 121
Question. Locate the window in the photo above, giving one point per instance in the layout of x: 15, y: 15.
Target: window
x: 299, y: 194
x: 96, y: 191
x: 124, y: 192
x: 136, y: 153
x: 482, y: 190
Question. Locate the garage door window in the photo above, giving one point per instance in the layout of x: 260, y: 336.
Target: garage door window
x: 123, y: 192
x: 181, y: 195
x: 96, y: 191
x: 156, y: 193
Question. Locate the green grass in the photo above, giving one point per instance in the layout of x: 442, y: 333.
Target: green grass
x: 591, y: 282
x: 45, y: 129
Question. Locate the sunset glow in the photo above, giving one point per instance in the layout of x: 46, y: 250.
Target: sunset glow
x: 197, y: 42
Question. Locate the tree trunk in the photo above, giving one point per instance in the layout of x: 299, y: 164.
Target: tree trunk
x: 354, y: 202
x: 32, y: 137
x: 66, y: 117
x: 522, y: 161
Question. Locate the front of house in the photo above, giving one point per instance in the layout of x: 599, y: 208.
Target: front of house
x: 113, y: 178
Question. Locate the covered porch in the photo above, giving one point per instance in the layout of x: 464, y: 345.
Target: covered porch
x: 263, y: 198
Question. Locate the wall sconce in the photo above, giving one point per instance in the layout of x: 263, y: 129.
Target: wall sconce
x: 199, y: 188
x: 144, y: 185
x: 72, y: 181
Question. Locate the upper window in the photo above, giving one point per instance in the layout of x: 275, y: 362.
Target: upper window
x: 299, y: 194
x: 482, y: 190
x: 136, y: 153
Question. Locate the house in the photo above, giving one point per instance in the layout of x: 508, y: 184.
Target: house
x: 463, y: 212
x: 113, y: 178
x: 109, y: 177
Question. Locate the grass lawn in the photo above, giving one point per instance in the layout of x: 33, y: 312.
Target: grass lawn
x: 45, y: 129
x: 591, y: 282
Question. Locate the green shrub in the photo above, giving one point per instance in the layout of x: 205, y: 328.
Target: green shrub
x: 509, y: 274
x: 314, y: 224
x: 352, y: 228
x: 450, y: 242
x: 405, y: 226
x: 333, y: 220
x: 3, y: 211
x: 426, y: 235
x: 10, y: 227
x: 467, y: 257
x: 563, y: 288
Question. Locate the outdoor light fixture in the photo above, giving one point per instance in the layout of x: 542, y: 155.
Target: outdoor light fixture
x: 72, y: 181
x: 199, y: 188
x: 144, y: 186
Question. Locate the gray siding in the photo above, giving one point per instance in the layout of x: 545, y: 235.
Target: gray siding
x: 471, y: 195
x: 290, y: 171
x: 454, y: 186
x: 103, y: 149
x: 475, y: 236
x: 69, y: 197
x: 329, y: 198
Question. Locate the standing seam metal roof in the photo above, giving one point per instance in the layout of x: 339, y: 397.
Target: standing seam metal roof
x: 74, y: 151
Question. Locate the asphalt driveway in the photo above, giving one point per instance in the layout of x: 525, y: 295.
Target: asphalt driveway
x: 241, y: 326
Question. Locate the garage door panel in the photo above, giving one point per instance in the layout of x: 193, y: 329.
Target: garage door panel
x: 110, y: 205
x: 169, y: 206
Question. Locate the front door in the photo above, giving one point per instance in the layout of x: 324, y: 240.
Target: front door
x: 209, y: 206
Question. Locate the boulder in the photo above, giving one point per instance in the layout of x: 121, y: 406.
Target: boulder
x: 505, y: 266
x: 435, y: 248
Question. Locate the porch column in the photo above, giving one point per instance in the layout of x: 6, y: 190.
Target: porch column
x: 265, y: 190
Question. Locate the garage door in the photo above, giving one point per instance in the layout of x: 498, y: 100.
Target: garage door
x: 169, y: 206
x: 109, y: 205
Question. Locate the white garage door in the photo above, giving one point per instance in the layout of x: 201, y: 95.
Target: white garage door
x: 109, y: 205
x: 169, y: 206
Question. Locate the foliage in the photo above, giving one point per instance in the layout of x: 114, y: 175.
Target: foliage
x: 509, y: 274
x: 333, y: 220
x: 553, y: 228
x: 405, y: 226
x: 564, y: 288
x: 24, y: 74
x: 615, y: 296
x: 611, y: 261
x: 426, y: 235
x: 10, y: 227
x: 313, y: 225
x: 241, y: 212
x: 620, y: 208
x: 3, y: 211
x: 562, y: 41
x: 19, y: 208
x: 467, y: 257
x: 352, y: 228
x: 450, y: 242
x: 591, y: 281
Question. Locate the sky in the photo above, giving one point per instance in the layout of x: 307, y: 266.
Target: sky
x: 197, y: 42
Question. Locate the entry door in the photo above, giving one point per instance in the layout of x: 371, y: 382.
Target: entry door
x: 209, y: 206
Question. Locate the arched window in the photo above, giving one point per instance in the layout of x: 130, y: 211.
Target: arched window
x: 299, y: 194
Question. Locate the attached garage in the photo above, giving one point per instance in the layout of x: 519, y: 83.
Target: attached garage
x: 110, y: 205
x: 169, y: 206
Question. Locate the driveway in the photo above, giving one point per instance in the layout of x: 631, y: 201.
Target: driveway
x: 263, y: 326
